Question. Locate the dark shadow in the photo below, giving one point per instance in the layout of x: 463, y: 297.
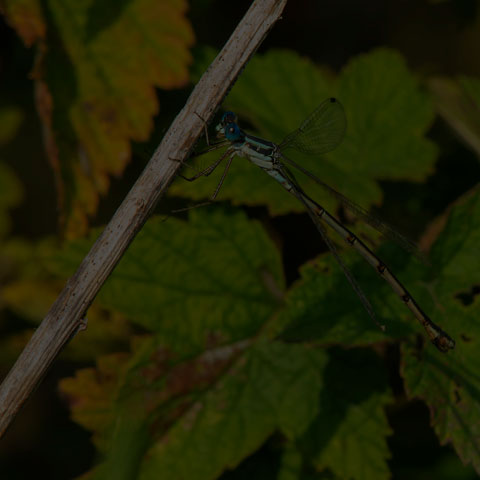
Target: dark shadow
x: 350, y: 378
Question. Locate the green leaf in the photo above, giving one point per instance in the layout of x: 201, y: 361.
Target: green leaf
x: 273, y: 386
x: 348, y: 435
x: 323, y: 306
x: 388, y: 116
x: 215, y: 278
x: 450, y: 384
x: 129, y: 440
x: 96, y: 76
x: 220, y: 406
x: 29, y: 289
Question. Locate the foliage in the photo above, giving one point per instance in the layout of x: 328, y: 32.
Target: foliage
x: 249, y: 365
x: 275, y: 104
x: 202, y: 349
x: 95, y: 78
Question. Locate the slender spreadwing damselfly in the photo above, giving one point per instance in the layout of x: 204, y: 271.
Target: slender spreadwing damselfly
x: 320, y: 132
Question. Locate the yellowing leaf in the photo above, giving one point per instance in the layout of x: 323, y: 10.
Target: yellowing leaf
x: 99, y: 65
x: 165, y: 418
x: 92, y: 391
x: 29, y: 289
x: 273, y: 386
x: 30, y: 298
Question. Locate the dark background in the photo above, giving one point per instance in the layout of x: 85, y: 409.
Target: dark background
x: 441, y: 37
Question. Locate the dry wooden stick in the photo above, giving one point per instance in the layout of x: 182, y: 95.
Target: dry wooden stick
x: 64, y: 319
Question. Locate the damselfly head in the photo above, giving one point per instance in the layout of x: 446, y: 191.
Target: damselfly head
x: 227, y: 118
x: 233, y: 133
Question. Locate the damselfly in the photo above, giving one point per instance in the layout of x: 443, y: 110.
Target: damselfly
x: 319, y: 133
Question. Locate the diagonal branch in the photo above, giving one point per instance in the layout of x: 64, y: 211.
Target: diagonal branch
x: 64, y: 319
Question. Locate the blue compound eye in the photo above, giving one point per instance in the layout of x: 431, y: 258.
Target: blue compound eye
x: 232, y: 132
x: 229, y: 117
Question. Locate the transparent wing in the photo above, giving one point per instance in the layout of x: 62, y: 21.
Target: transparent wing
x: 331, y: 246
x: 383, y: 227
x: 351, y: 279
x: 321, y: 131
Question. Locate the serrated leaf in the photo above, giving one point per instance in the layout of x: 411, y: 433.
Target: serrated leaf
x: 388, y: 116
x: 96, y: 88
x: 348, y: 436
x: 212, y: 280
x: 29, y: 289
x: 450, y: 384
x: 259, y: 96
x: 322, y: 305
x: 236, y: 416
x: 220, y: 405
x: 91, y: 394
